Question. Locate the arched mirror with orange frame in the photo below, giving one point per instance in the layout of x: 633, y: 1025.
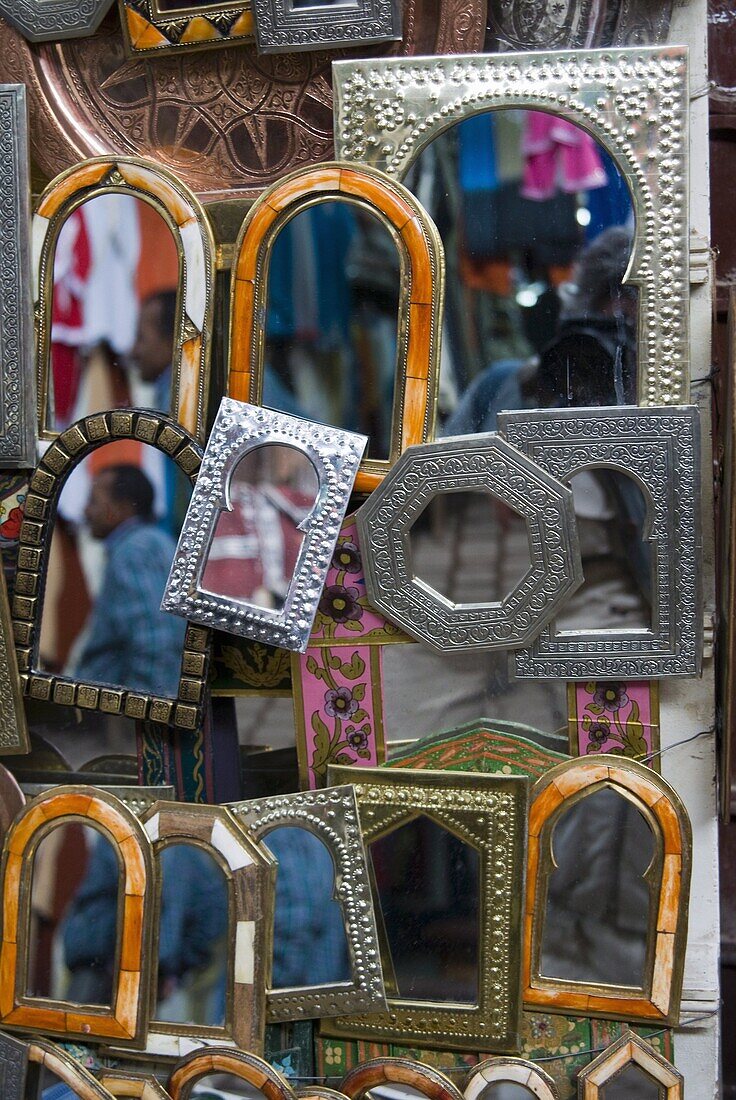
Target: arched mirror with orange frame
x: 421, y: 293
x: 230, y: 1070
x: 52, y: 1067
x: 608, y: 871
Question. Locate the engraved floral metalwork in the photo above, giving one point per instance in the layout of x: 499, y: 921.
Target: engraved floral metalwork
x: 13, y: 726
x: 489, y: 813
x: 634, y: 102
x: 52, y: 20
x: 13, y: 1067
x: 576, y: 24
x: 464, y: 464
x: 332, y: 816
x: 627, y: 1051
x: 238, y: 430
x: 284, y: 27
x: 69, y: 449
x: 659, y: 449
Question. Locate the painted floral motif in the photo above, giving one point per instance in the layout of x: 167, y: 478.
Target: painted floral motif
x: 615, y: 717
x: 342, y: 605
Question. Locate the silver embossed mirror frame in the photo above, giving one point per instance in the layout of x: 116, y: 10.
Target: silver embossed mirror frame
x: 332, y: 816
x: 240, y: 429
x: 634, y: 102
x: 52, y: 20
x: 659, y: 450
x: 283, y: 27
x: 480, y: 463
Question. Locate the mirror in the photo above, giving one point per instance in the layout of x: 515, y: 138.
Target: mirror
x: 310, y: 946
x: 74, y: 925
x: 506, y: 1090
x: 598, y: 909
x: 51, y: 1087
x: 256, y: 543
x: 113, y: 310
x: 193, y: 942
x: 427, y: 882
x: 224, y: 1086
x: 633, y: 1083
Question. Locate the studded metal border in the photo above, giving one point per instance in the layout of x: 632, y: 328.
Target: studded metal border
x: 659, y: 449
x: 464, y: 464
x: 332, y: 815
x: 633, y: 101
x: 239, y: 429
x: 71, y: 447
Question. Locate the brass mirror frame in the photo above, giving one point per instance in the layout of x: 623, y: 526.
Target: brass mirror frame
x: 183, y: 213
x: 250, y: 872
x: 659, y: 997
x: 67, y: 1069
x: 518, y: 1071
x: 489, y: 813
x: 46, y: 484
x: 125, y: 1020
x: 123, y: 1084
x: 240, y: 1063
x: 628, y: 1050
x: 403, y: 1071
x: 633, y: 101
x: 421, y: 296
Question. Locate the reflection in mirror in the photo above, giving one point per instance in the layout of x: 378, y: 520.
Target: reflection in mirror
x: 51, y: 1087
x: 193, y: 943
x: 633, y: 1083
x: 224, y: 1086
x: 119, y: 514
x: 428, y: 889
x: 73, y: 940
x: 331, y: 326
x: 113, y: 311
x: 506, y: 1090
x: 310, y: 944
x: 254, y: 550
x: 597, y: 916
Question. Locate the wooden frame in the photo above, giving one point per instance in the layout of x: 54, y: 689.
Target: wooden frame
x: 46, y: 484
x: 557, y: 791
x: 420, y: 302
x: 122, y: 1084
x: 249, y: 1067
x: 125, y: 1020
x: 518, y: 1071
x: 626, y: 1051
x: 250, y: 872
x: 391, y: 1071
x: 49, y: 1056
x: 186, y: 218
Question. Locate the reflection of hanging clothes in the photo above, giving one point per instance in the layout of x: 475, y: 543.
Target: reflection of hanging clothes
x: 558, y: 156
x: 111, y: 298
x: 72, y: 264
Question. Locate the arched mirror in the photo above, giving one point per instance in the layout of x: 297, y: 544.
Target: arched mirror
x: 509, y: 1079
x: 630, y: 1068
x: 232, y: 1072
x: 53, y: 1074
x: 397, y: 1077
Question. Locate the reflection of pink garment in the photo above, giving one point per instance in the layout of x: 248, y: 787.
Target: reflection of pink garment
x: 558, y: 154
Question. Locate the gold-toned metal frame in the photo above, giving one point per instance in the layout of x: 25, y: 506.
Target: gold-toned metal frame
x: 658, y: 999
x: 626, y: 1051
x: 58, y: 1061
x: 250, y: 872
x: 421, y: 295
x: 241, y: 1064
x: 148, y: 31
x: 66, y: 452
x: 125, y: 1020
x: 516, y: 1071
x: 121, y: 1084
x: 398, y: 1071
x: 183, y: 213
x: 489, y: 813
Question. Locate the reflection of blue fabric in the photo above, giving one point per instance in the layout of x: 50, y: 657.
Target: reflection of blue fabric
x: 194, y: 909
x: 90, y: 929
x: 130, y: 641
x: 477, y: 153
x: 609, y: 205
x: 59, y: 1091
x: 310, y: 946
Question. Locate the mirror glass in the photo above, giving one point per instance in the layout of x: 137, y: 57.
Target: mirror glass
x: 116, y: 274
x: 223, y: 1086
x: 597, y: 917
x: 427, y: 882
x: 73, y: 934
x: 193, y: 942
x: 310, y: 946
x: 633, y: 1083
x: 331, y: 321
x: 255, y: 547
x: 51, y: 1087
x: 113, y: 541
x: 507, y: 1090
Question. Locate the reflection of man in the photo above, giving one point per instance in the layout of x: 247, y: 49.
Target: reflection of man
x: 154, y: 345
x: 130, y: 642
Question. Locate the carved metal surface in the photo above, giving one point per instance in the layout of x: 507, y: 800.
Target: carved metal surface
x: 659, y: 449
x: 634, y: 102
x: 238, y: 430
x: 282, y: 27
x: 13, y: 1068
x: 576, y: 24
x: 469, y: 464
x: 489, y: 813
x: 13, y: 726
x: 51, y: 20
x: 332, y: 816
x: 225, y: 121
x: 71, y: 447
x: 17, y: 380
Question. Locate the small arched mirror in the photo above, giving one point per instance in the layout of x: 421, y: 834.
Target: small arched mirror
x: 630, y: 1069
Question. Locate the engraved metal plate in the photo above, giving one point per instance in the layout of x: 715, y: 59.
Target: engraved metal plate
x: 238, y: 430
x: 466, y: 464
x: 659, y: 449
x: 52, y: 20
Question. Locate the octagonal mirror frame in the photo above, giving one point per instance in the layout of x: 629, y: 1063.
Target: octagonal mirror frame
x: 53, y: 20
x: 516, y: 1071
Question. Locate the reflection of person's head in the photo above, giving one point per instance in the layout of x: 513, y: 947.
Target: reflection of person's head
x: 118, y: 493
x: 599, y: 277
x: 154, y: 341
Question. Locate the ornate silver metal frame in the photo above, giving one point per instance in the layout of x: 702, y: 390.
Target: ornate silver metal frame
x: 17, y: 378
x: 659, y: 450
x: 464, y: 464
x: 332, y: 816
x: 488, y: 812
x: 633, y: 101
x: 238, y: 430
x: 13, y: 1068
x: 283, y: 27
x: 51, y: 20
x: 13, y: 725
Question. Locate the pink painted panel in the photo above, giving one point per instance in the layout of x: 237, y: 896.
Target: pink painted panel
x: 617, y: 717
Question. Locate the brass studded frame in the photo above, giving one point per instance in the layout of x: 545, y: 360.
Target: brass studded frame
x: 47, y: 481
